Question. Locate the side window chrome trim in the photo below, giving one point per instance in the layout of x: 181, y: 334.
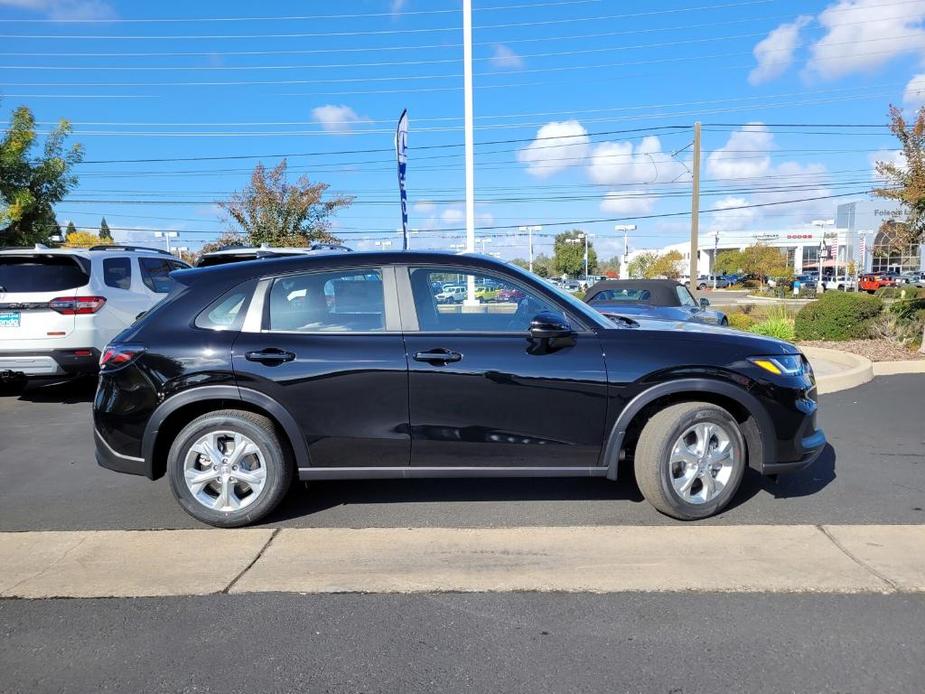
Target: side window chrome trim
x: 253, y: 319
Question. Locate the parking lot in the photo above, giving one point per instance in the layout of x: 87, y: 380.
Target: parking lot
x: 872, y: 472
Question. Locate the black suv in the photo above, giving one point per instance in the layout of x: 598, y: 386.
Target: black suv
x: 340, y: 366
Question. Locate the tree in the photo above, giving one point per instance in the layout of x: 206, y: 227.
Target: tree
x: 727, y: 262
x: 71, y: 229
x: 569, y: 252
x: 104, y: 230
x: 30, y: 186
x: 543, y: 265
x: 764, y: 261
x: 907, y: 181
x: 641, y: 265
x: 269, y: 210
x: 227, y: 238
x: 85, y: 239
x: 521, y: 263
x: 667, y: 265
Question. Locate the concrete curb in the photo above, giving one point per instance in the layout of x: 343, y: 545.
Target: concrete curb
x: 774, y: 299
x: 905, y: 366
x: 602, y: 559
x: 858, y: 370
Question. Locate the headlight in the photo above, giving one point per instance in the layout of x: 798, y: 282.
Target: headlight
x: 781, y: 365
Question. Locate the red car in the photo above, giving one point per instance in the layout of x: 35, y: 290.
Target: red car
x: 876, y: 280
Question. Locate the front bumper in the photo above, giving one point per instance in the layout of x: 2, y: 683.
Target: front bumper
x: 809, y: 449
x: 49, y: 363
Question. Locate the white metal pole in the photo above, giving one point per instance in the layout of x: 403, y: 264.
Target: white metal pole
x: 469, y: 149
x: 530, y: 244
x: 586, y: 258
x: 713, y: 266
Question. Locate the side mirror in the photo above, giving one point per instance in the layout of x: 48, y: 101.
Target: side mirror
x: 704, y: 302
x: 549, y: 325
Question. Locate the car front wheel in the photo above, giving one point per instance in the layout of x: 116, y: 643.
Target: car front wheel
x: 690, y: 460
x: 228, y: 468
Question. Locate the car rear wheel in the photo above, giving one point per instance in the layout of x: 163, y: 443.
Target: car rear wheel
x: 690, y: 460
x: 228, y: 468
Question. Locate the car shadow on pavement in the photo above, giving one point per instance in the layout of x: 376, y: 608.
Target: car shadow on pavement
x: 331, y: 493
x: 69, y: 392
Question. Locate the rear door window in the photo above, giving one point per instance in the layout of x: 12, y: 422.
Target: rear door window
x: 338, y: 301
x: 155, y: 271
x: 42, y: 273
x: 117, y: 272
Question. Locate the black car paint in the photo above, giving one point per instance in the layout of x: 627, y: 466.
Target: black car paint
x: 361, y: 405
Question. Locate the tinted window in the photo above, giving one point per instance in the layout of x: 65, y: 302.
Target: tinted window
x: 227, y: 313
x: 117, y: 272
x: 49, y: 273
x: 685, y: 296
x: 499, y: 305
x: 341, y: 301
x: 628, y: 294
x: 154, y: 273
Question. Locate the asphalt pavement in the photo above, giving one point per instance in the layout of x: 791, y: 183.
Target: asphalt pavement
x: 513, y: 642
x: 873, y: 472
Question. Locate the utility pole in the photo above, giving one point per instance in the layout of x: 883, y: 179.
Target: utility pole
x: 695, y: 206
x: 530, y: 230
x: 713, y: 266
x: 469, y: 143
x: 586, y: 258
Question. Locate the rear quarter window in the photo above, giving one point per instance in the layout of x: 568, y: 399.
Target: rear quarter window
x: 227, y: 312
x: 42, y: 273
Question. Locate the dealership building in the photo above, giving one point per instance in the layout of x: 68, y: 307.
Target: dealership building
x: 854, y: 233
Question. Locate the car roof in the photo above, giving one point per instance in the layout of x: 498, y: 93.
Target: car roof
x: 84, y: 252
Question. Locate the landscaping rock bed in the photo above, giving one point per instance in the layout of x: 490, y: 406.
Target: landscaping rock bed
x: 875, y: 350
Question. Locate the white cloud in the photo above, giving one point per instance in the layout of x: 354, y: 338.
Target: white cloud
x: 862, y: 35
x: 452, y: 215
x: 505, y: 58
x: 774, y: 54
x: 337, y: 119
x: 65, y: 9
x: 558, y: 146
x: 887, y: 156
x: 623, y: 162
x: 745, y: 154
x: 628, y: 202
x: 914, y: 94
x: 424, y: 207
x: 731, y: 219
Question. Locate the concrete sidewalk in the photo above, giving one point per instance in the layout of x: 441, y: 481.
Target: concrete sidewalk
x: 756, y: 558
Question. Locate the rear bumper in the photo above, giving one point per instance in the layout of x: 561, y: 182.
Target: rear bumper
x: 35, y: 363
x: 111, y: 459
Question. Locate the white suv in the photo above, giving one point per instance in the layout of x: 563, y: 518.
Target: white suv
x: 59, y: 307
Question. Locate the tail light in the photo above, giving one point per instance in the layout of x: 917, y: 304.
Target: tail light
x: 77, y: 305
x: 118, y: 355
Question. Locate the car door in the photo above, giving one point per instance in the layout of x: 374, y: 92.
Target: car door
x: 328, y: 348
x: 484, y: 392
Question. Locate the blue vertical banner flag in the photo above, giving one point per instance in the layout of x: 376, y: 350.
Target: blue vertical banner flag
x: 401, y: 152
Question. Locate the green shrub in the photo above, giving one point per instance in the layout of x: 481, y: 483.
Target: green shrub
x: 740, y: 321
x: 781, y: 328
x: 838, y: 316
x: 905, y: 291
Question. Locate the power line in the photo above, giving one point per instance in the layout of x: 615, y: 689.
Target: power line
x: 567, y: 20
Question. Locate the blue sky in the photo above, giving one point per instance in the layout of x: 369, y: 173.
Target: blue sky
x: 583, y: 108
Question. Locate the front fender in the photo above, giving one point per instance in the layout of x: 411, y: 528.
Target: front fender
x: 760, y: 439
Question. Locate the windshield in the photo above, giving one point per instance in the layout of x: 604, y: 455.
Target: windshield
x: 48, y: 273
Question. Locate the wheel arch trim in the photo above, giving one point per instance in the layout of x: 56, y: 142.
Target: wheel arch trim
x: 693, y: 386
x: 222, y: 392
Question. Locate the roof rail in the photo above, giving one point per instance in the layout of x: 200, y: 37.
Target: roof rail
x: 330, y: 247
x: 127, y: 247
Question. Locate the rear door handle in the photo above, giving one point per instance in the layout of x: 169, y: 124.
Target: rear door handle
x: 438, y: 356
x: 270, y: 356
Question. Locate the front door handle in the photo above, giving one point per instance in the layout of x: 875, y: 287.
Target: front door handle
x: 270, y: 356
x: 438, y: 356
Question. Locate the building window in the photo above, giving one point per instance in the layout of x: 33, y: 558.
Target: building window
x: 890, y: 254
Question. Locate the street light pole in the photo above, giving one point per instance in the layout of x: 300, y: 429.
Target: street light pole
x: 166, y: 235
x: 715, y: 247
x: 530, y: 230
x: 822, y: 224
x: 586, y: 258
x: 625, y: 228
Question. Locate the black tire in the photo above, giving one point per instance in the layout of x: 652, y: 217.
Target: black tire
x: 653, y: 451
x: 279, y: 467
